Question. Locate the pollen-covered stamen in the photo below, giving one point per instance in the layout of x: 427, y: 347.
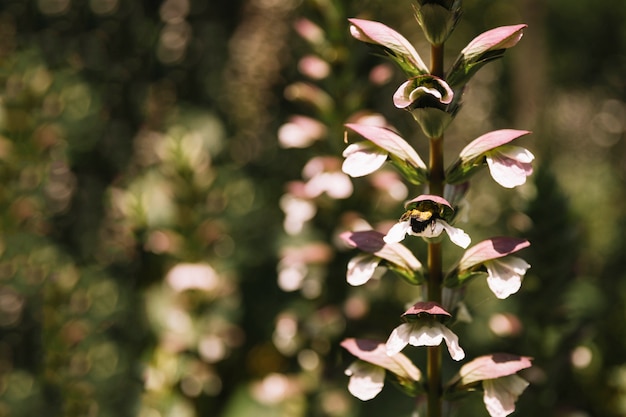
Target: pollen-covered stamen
x: 419, y: 220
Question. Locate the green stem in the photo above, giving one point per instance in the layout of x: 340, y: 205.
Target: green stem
x: 435, y: 267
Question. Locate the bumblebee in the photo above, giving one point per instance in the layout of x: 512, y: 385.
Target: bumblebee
x: 420, y: 220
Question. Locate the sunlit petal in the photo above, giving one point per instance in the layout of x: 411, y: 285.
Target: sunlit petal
x: 399, y: 338
x: 362, y: 158
x: 397, y: 232
x: 433, y: 334
x: 457, y: 236
x: 361, y: 268
x: 510, y: 166
x: 501, y: 393
x: 366, y: 380
x: 505, y: 275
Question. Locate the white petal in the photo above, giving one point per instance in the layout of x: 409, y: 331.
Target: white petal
x: 361, y: 268
x: 433, y: 334
x: 362, y: 159
x: 457, y: 236
x: 366, y: 380
x: 397, y: 232
x: 399, y: 338
x: 452, y: 340
x: 505, y: 167
x: 505, y: 275
x: 517, y: 153
x: 501, y: 393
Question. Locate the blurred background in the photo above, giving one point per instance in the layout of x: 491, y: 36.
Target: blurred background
x: 171, y: 196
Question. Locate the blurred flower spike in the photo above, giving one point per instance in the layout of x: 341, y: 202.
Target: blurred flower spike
x: 423, y: 327
x: 323, y: 175
x: 300, y: 132
x: 363, y: 158
x: 395, y: 45
x: 504, y: 272
x: 189, y: 276
x: 437, y: 18
x: 508, y: 165
x: 427, y: 216
x: 500, y: 382
x: 379, y: 255
x: 486, y: 47
x: 367, y: 375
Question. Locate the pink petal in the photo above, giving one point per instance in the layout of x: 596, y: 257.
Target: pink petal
x: 400, y: 98
x: 372, y: 241
x: 428, y: 197
x: 493, y: 248
x: 490, y: 141
x: 492, y: 366
x: 426, y: 307
x: 377, y: 33
x: 499, y: 38
x: 375, y: 353
x: 389, y: 141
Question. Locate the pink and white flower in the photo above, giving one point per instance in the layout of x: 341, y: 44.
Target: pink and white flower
x: 367, y: 375
x: 426, y: 216
x: 422, y: 86
x: 365, y: 157
x: 504, y: 272
x: 486, y: 47
x: 500, y: 382
x: 424, y: 329
x: 508, y: 165
x: 366, y: 266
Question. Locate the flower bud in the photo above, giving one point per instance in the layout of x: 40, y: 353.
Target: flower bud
x: 437, y: 18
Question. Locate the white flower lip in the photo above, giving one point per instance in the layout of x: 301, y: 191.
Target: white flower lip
x: 505, y: 275
x: 422, y: 333
x: 362, y: 158
x: 399, y: 230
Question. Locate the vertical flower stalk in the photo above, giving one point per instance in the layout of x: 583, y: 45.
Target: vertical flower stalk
x: 432, y: 96
x: 434, y: 262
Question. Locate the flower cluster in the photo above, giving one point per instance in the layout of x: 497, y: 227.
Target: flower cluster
x: 433, y: 98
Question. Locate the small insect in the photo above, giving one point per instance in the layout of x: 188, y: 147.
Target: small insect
x: 422, y: 215
x: 420, y: 220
